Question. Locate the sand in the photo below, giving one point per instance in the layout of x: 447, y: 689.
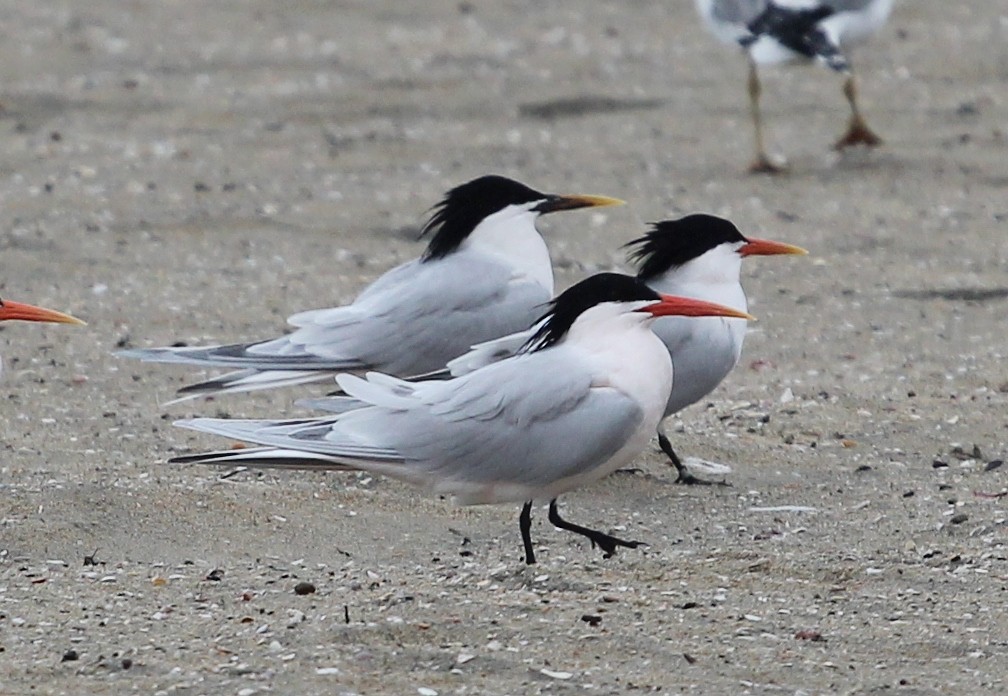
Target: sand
x: 198, y: 171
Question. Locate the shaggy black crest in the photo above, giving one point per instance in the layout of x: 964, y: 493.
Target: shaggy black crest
x: 466, y: 206
x: 672, y: 243
x: 571, y: 303
x: 796, y: 28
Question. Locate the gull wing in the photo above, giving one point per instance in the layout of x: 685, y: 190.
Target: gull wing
x: 849, y: 5
x: 728, y: 19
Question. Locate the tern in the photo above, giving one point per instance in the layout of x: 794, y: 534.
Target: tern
x: 582, y: 398
x: 486, y: 272
x: 789, y: 31
x: 698, y: 256
x: 17, y: 311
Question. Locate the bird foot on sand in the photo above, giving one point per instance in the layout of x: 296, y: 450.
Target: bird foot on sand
x: 763, y: 164
x: 858, y: 134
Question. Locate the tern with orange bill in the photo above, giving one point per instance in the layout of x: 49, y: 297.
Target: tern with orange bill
x: 697, y: 256
x: 581, y: 398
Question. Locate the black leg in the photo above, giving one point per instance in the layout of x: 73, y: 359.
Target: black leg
x: 525, y: 525
x: 685, y: 477
x: 604, y: 541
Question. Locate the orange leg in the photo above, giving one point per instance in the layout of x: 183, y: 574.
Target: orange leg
x: 858, y: 132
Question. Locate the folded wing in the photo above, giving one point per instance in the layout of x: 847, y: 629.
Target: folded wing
x: 485, y: 437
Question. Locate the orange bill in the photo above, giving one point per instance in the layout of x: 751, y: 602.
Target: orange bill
x: 766, y: 247
x: 25, y: 312
x: 673, y: 306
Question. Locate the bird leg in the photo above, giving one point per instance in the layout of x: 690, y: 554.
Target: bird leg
x: 762, y: 164
x: 606, y: 542
x: 685, y: 477
x: 858, y: 132
x: 525, y: 525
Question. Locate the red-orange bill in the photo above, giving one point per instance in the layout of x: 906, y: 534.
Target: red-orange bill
x: 673, y: 306
x: 10, y: 311
x: 766, y: 247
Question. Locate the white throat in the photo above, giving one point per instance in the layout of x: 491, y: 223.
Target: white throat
x: 511, y: 237
x: 637, y: 363
x: 712, y: 276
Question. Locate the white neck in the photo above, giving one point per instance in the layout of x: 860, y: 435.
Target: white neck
x: 636, y: 363
x: 713, y: 276
x: 511, y: 237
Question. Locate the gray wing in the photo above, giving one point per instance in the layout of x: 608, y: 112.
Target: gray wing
x: 418, y: 317
x: 728, y: 19
x: 411, y: 320
x: 479, y: 355
x: 736, y: 11
x: 742, y: 12
x: 488, y: 352
x: 331, y: 404
x: 849, y: 5
x: 238, y: 355
x: 501, y: 433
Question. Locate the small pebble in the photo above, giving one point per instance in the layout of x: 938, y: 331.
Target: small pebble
x: 303, y: 588
x: 809, y: 634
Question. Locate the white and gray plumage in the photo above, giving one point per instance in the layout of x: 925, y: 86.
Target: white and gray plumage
x: 697, y: 256
x: 787, y: 31
x: 18, y: 311
x: 582, y: 398
x: 486, y: 272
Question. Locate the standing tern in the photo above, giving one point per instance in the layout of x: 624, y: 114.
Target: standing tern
x: 788, y: 31
x: 17, y: 311
x: 486, y: 272
x: 581, y: 399
x: 697, y: 256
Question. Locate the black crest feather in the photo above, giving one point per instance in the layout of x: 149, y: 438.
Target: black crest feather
x: 671, y: 243
x: 570, y: 304
x: 466, y: 206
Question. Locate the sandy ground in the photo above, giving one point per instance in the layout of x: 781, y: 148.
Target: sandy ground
x: 198, y: 171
